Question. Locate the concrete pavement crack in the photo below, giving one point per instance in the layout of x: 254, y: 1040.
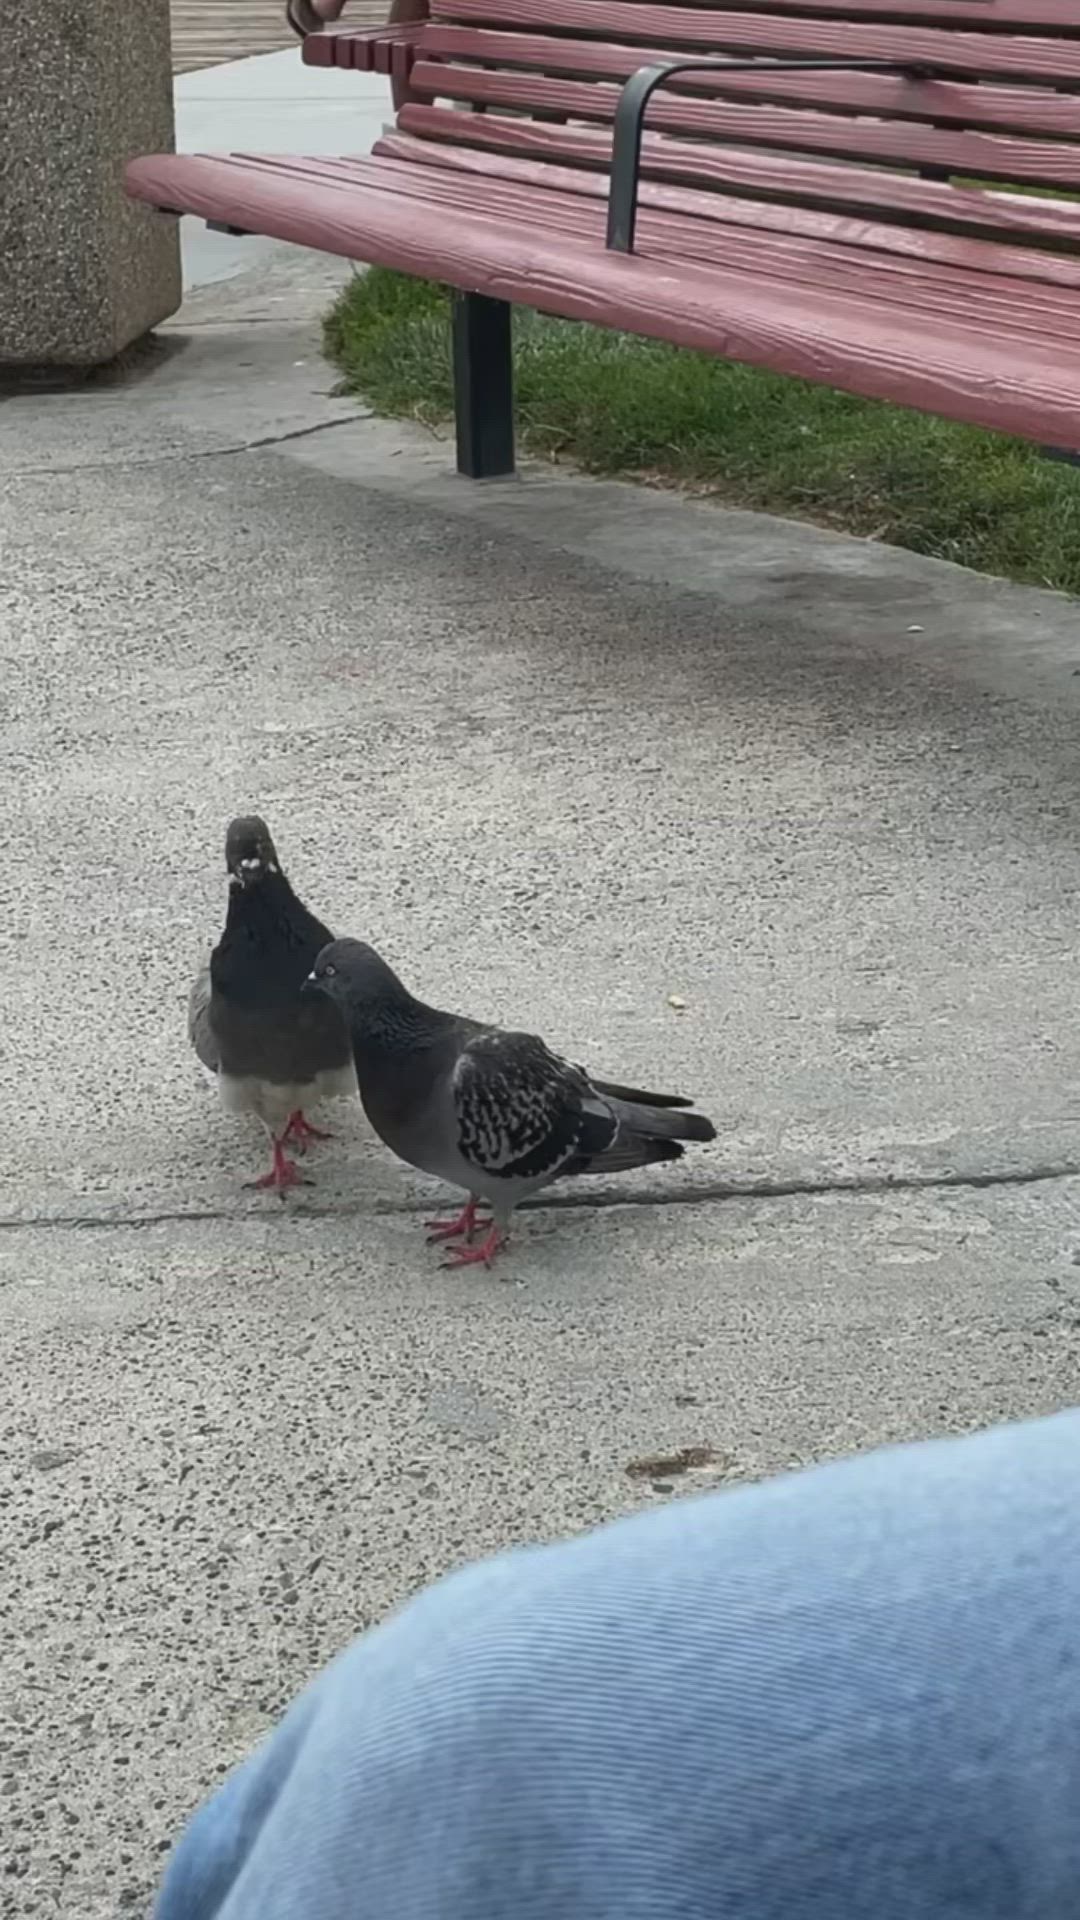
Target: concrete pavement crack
x: 697, y: 1196
x: 203, y: 453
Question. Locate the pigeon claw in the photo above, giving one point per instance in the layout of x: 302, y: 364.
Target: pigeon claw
x: 481, y: 1256
x: 283, y: 1174
x: 299, y: 1132
x: 462, y: 1227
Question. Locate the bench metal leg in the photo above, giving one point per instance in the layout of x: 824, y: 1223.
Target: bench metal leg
x: 483, y: 386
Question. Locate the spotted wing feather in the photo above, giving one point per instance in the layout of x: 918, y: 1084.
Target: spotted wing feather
x: 523, y: 1113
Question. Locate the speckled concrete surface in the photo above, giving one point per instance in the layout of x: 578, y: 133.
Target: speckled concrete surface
x: 226, y: 1447
x: 84, y: 85
x: 566, y: 751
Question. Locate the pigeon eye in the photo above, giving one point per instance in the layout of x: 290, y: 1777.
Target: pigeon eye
x: 329, y: 971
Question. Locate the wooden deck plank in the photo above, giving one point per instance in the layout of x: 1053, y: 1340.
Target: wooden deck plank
x: 206, y: 33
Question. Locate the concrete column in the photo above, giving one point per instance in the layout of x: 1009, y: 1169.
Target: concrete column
x: 84, y: 86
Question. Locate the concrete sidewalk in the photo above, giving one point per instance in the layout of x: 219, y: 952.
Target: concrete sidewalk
x: 272, y: 103
x: 564, y: 750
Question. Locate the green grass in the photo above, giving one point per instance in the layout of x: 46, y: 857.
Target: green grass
x: 614, y: 404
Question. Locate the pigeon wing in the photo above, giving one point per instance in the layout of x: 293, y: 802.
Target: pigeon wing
x: 200, y: 1032
x: 522, y: 1112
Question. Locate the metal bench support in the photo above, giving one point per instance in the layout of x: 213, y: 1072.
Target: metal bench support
x: 483, y: 386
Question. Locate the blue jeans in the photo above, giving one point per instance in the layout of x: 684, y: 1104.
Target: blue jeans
x: 849, y: 1694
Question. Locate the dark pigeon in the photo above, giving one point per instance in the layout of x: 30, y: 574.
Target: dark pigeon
x: 272, y: 1051
x: 494, y: 1112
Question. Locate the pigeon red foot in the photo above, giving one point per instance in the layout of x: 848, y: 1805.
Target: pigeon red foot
x: 462, y: 1227
x: 299, y: 1132
x: 283, y: 1174
x: 481, y: 1256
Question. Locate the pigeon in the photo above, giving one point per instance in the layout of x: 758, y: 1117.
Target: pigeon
x: 271, y: 1052
x: 494, y: 1112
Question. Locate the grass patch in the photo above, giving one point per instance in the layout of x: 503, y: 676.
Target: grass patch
x: 614, y: 404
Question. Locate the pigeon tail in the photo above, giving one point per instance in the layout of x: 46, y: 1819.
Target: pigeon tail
x: 636, y: 1098
x: 662, y: 1123
x: 633, y: 1150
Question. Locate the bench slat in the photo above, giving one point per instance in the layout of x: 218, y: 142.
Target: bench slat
x: 987, y: 156
x: 937, y: 279
x: 319, y: 49
x: 1034, y: 110
x: 670, y: 228
x: 915, y: 249
x: 1027, y: 16
x: 860, y: 345
x: 836, y: 189
x: 352, y: 49
x: 1046, y: 62
x: 1019, y: 15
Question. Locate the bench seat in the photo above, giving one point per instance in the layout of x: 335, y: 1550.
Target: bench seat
x: 860, y: 228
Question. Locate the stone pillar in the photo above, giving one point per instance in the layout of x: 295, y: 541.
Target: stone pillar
x: 84, y: 86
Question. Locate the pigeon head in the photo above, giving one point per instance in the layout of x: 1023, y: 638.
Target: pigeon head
x: 353, y: 974
x: 250, y: 853
x: 378, y: 1009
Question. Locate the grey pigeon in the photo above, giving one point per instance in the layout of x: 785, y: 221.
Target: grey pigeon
x: 271, y: 1052
x: 496, y: 1113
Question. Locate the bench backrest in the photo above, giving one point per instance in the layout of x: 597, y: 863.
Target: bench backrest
x: 990, y: 98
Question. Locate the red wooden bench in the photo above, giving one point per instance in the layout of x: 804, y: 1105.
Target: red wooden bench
x: 818, y: 190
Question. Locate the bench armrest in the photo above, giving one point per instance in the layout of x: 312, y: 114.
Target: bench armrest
x: 305, y: 22
x: 303, y: 19
x: 638, y: 91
